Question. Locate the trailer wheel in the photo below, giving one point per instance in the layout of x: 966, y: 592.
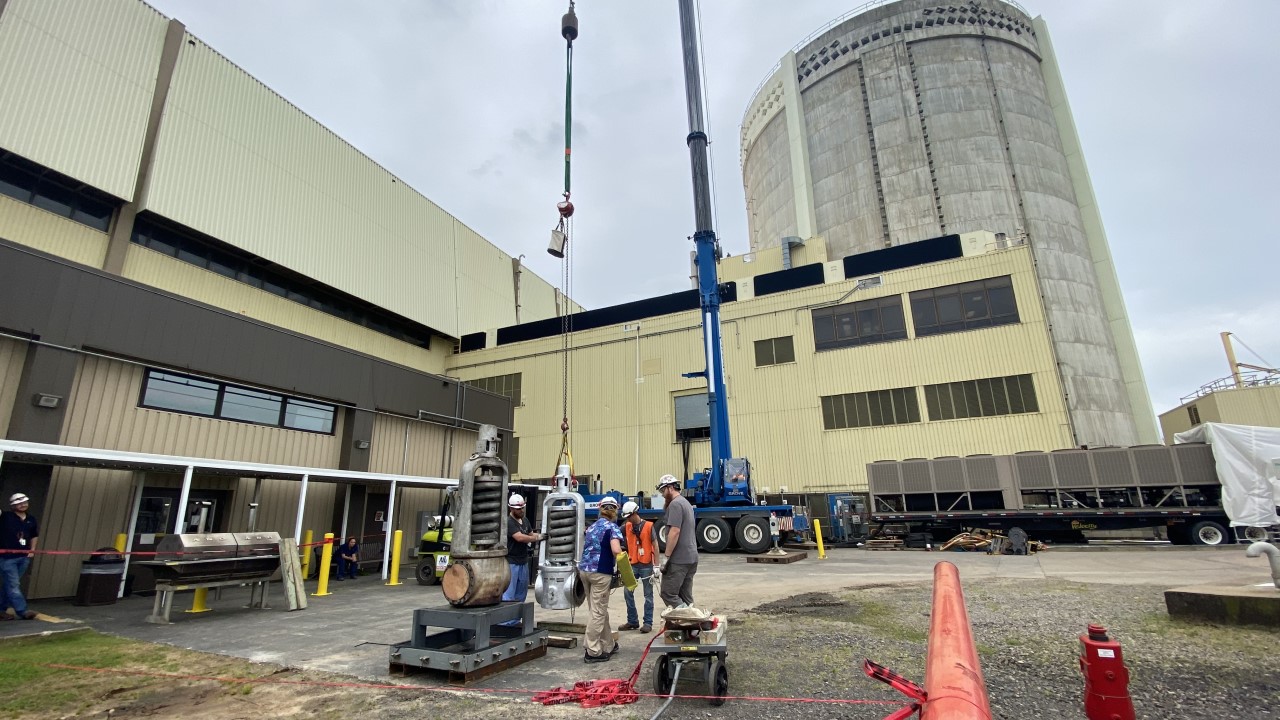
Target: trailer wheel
x: 1255, y: 534
x: 426, y: 570
x: 713, y: 535
x: 753, y: 535
x: 1208, y: 532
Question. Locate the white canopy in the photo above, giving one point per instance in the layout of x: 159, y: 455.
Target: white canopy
x: 1246, y: 458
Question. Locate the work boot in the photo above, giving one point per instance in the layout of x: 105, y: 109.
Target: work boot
x: 8, y: 616
x: 646, y: 629
x: 628, y: 626
x: 29, y: 615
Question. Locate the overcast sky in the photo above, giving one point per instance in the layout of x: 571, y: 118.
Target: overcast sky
x: 1175, y: 101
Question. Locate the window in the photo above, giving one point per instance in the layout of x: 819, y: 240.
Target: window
x: 36, y: 185
x: 198, y: 396
x: 1194, y: 413
x: 1011, y: 395
x: 978, y: 304
x: 860, y: 323
x: 775, y: 351
x: 507, y: 386
x: 238, y: 265
x: 897, y: 406
x: 693, y: 417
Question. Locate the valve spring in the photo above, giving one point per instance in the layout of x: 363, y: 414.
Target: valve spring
x: 562, y: 531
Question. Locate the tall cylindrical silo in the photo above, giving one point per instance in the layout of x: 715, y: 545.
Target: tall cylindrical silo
x: 916, y: 119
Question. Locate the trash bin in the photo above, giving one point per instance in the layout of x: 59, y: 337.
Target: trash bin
x: 100, y: 578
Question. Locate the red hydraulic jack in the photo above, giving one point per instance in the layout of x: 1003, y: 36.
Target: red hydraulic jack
x: 1106, y: 681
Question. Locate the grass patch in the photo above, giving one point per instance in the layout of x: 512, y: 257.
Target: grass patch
x: 27, y: 683
x: 886, y: 620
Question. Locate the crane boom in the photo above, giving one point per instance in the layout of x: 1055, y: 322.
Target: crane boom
x: 716, y: 484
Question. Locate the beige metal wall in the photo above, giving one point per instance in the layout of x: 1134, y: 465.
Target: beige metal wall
x: 403, y: 446
x: 623, y: 387
x: 56, y: 235
x: 82, y: 75
x: 1244, y: 406
x: 103, y: 412
x: 13, y: 355
x: 159, y: 270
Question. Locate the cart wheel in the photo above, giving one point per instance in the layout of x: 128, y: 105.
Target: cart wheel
x: 661, y: 681
x: 717, y: 682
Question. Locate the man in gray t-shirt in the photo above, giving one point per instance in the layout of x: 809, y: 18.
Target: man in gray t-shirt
x: 680, y: 562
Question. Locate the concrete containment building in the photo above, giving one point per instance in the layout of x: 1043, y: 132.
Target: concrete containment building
x: 917, y: 119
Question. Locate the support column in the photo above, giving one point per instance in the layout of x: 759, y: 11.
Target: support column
x: 122, y: 226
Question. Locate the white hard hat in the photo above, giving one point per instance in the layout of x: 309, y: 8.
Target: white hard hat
x: 629, y: 507
x: 609, y: 501
x: 18, y: 499
x: 515, y: 501
x: 666, y: 480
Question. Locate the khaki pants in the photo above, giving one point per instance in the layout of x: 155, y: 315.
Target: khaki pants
x: 599, y: 640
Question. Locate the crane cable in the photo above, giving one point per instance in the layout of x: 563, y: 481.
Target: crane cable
x: 560, y: 239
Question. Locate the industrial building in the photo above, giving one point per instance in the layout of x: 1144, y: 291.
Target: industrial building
x: 192, y: 266
x: 916, y: 119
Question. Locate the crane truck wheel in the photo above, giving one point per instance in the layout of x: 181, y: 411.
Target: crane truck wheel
x: 753, y: 535
x: 713, y: 535
x: 1207, y: 532
x: 660, y: 535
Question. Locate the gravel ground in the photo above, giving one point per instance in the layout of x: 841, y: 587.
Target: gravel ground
x: 812, y: 646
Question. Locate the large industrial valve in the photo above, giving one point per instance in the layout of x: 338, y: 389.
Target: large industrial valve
x: 563, y: 524
x: 478, y: 573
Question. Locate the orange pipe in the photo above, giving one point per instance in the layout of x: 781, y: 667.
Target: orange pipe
x: 952, y: 676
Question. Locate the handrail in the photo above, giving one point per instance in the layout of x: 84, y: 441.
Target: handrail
x: 953, y: 677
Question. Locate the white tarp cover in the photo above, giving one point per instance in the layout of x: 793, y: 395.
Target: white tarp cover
x: 1245, y: 457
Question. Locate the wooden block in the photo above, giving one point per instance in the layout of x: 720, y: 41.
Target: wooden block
x: 777, y: 559
x: 560, y: 627
x: 562, y: 641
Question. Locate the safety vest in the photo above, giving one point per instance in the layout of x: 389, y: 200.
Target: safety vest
x: 639, y: 549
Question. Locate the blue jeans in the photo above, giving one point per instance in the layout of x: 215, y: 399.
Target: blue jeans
x: 518, y: 590
x: 347, y: 568
x: 644, y: 575
x: 12, y: 568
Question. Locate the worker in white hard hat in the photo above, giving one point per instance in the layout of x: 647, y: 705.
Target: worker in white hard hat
x: 639, y: 535
x: 678, y: 562
x: 19, y: 533
x: 600, y: 551
x: 520, y: 537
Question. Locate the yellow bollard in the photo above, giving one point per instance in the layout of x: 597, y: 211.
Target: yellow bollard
x: 326, y: 557
x: 306, y: 554
x: 395, y: 557
x: 197, y: 602
x: 817, y: 533
x: 120, y: 541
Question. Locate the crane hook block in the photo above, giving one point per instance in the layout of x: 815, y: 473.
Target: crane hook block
x: 569, y: 25
x: 566, y: 208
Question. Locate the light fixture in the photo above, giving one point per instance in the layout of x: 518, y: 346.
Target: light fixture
x: 46, y: 400
x: 362, y: 444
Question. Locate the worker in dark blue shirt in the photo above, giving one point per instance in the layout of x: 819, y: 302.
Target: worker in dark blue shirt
x: 349, y: 559
x: 19, y: 533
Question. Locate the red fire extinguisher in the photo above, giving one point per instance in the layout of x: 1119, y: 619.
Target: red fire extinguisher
x: 1106, y: 681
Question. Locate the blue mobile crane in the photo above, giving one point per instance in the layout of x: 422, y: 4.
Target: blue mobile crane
x: 723, y: 497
